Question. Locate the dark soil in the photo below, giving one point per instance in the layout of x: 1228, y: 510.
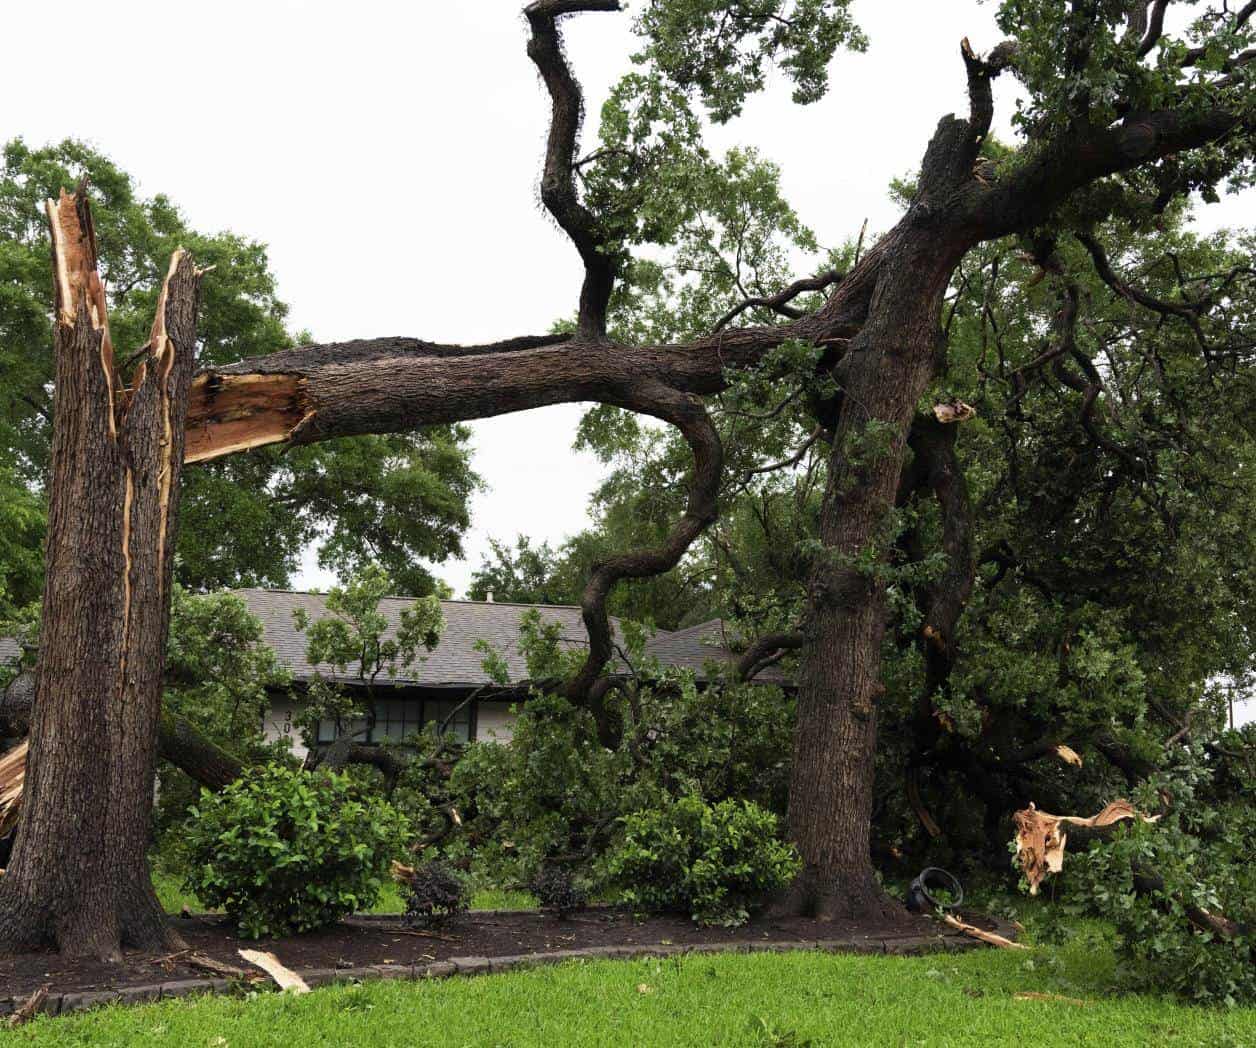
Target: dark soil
x: 361, y: 941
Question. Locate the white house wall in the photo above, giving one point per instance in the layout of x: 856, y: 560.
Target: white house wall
x: 278, y: 724
x: 495, y: 721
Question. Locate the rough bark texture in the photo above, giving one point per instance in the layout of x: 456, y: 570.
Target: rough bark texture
x: 888, y: 365
x: 79, y: 877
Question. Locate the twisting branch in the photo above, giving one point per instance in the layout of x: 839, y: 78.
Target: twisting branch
x: 767, y: 650
x: 688, y: 415
x: 1151, y: 27
x: 779, y: 301
x: 558, y: 185
x: 1066, y: 326
x: 1189, y: 312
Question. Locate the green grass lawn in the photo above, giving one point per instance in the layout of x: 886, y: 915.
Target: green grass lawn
x: 785, y: 1001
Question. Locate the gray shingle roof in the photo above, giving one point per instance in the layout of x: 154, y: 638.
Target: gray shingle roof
x: 696, y: 646
x: 454, y: 661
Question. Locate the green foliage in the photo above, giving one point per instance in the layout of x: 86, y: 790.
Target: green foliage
x: 282, y: 850
x: 1199, y: 853
x: 724, y: 53
x: 554, y: 790
x: 357, y: 640
x: 221, y: 678
x: 524, y: 575
x: 714, y: 862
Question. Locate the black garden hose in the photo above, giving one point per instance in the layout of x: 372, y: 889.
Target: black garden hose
x: 920, y: 900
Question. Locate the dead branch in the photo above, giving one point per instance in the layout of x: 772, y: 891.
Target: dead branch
x: 285, y: 978
x: 979, y: 933
x: 30, y: 1007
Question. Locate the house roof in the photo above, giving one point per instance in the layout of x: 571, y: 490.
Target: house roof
x: 693, y: 648
x: 455, y: 661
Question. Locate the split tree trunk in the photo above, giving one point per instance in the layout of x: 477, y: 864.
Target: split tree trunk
x: 79, y: 876
x: 887, y: 369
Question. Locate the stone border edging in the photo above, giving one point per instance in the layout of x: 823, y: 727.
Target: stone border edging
x: 907, y: 945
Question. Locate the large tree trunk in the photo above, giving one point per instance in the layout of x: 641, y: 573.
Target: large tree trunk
x: 79, y: 876
x: 887, y: 368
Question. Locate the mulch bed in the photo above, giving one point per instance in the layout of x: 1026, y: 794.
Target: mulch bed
x: 381, y: 947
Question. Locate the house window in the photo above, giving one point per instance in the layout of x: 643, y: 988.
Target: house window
x: 397, y: 719
x: 327, y: 729
x: 438, y: 709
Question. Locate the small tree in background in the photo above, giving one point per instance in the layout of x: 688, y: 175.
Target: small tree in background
x: 354, y: 639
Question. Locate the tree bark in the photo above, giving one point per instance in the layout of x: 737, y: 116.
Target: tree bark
x: 79, y: 876
x: 885, y: 371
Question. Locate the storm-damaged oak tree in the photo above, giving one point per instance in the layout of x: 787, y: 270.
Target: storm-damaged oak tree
x: 1129, y: 106
x: 79, y: 872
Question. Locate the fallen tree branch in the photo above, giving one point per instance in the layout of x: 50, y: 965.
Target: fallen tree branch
x: 972, y: 931
x: 284, y: 977
x: 30, y: 1007
x: 1040, y: 840
x: 1040, y: 851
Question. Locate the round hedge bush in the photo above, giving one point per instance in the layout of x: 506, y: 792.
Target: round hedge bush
x: 283, y: 850
x: 714, y: 862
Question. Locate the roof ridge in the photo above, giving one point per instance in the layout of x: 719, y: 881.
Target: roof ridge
x: 398, y: 596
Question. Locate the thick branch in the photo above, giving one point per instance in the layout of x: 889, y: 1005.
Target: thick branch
x: 558, y: 184
x: 1084, y: 155
x: 766, y: 650
x: 688, y: 415
x: 981, y: 72
x: 177, y: 740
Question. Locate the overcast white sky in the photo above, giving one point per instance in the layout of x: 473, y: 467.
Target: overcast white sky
x: 388, y: 153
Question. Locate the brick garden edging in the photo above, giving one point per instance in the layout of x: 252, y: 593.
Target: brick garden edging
x: 80, y: 1001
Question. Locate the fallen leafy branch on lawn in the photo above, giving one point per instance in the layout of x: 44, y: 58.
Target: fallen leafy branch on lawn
x: 1040, y: 840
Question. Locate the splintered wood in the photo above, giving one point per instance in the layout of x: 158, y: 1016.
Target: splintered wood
x: 230, y: 413
x: 12, y: 778
x: 1040, y: 838
x: 286, y: 978
x: 974, y: 932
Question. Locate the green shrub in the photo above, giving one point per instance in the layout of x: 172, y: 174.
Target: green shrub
x: 1198, y: 855
x: 284, y: 850
x: 714, y: 862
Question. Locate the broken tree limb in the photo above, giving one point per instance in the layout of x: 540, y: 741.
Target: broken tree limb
x: 1040, y: 840
x: 178, y: 742
x: 1068, y: 755
x: 79, y: 873
x: 30, y: 1007
x: 974, y: 932
x: 1040, y: 845
x: 12, y: 776
x: 285, y: 978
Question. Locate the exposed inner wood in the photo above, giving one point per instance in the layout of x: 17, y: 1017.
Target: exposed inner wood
x: 77, y: 282
x: 230, y: 413
x: 162, y: 350
x: 12, y: 777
